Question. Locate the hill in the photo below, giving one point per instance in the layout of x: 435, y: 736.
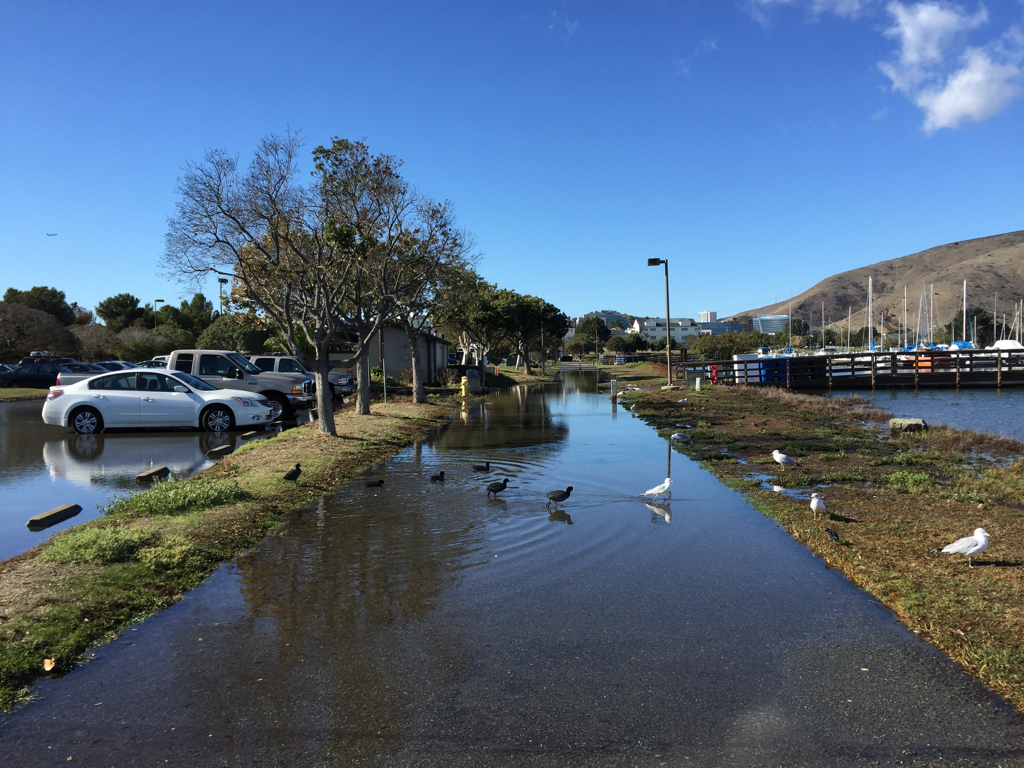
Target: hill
x: 990, y: 265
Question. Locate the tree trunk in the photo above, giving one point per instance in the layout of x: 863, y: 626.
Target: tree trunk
x: 324, y: 402
x: 526, y: 361
x: 418, y: 394
x: 363, y: 386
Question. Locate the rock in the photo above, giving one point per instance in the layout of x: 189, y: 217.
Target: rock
x: 907, y: 425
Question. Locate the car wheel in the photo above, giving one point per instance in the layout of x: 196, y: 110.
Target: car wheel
x: 282, y: 410
x: 13, y: 383
x: 86, y: 421
x: 217, y: 418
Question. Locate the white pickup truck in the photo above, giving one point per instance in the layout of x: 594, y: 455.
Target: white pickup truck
x: 342, y: 382
x: 229, y: 370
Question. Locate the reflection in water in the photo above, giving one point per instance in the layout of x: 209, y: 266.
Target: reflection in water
x: 660, y: 509
x: 559, y: 516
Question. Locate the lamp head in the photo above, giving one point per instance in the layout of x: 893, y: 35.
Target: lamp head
x: 654, y: 262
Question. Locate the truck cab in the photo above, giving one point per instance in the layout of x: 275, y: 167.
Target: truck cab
x: 342, y: 382
x: 229, y: 370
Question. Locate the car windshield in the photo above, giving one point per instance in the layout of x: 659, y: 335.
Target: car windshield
x: 193, y: 382
x: 242, y: 363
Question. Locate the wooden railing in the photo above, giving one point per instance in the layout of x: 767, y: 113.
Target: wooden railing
x: 933, y: 368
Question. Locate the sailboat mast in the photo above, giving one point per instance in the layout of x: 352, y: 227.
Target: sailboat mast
x: 871, y: 319
x: 965, y: 310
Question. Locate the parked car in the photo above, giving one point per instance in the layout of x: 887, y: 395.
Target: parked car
x: 342, y: 382
x: 230, y: 370
x: 79, y: 372
x: 153, y: 399
x: 116, y: 365
x: 5, y: 367
x: 36, y: 376
x: 35, y: 359
x: 154, y: 363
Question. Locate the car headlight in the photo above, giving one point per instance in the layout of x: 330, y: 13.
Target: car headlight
x: 246, y: 402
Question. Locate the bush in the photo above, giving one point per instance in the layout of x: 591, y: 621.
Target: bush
x: 175, y: 497
x: 110, y: 544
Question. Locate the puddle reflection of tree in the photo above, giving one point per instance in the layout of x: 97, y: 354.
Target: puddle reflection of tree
x: 342, y: 620
x: 519, y: 418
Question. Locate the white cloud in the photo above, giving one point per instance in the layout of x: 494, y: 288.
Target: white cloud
x: 760, y: 9
x: 952, y: 82
x: 976, y: 91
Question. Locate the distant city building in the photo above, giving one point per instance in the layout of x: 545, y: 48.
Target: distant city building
x: 607, y: 316
x: 770, y: 324
x: 683, y: 329
x: 706, y: 317
x: 718, y: 328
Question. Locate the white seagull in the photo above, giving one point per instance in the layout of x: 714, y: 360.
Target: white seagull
x: 817, y: 505
x: 784, y: 460
x: 679, y: 435
x: 969, y: 546
x: 660, y: 490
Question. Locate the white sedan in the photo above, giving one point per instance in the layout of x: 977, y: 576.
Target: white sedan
x: 152, y: 398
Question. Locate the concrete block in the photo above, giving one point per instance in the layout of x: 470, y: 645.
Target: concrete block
x: 152, y: 474
x: 907, y: 425
x: 54, y: 516
x: 217, y: 453
x: 247, y: 435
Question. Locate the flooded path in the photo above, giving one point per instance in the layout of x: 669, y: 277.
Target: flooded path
x: 421, y: 624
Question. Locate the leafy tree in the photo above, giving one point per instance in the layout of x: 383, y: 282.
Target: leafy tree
x: 239, y: 332
x: 593, y: 332
x: 96, y: 342
x: 616, y: 344
x: 194, y: 316
x: 724, y: 346
x: 978, y: 319
x: 45, y: 299
x: 799, y: 327
x: 24, y: 330
x: 469, y: 316
x: 522, y: 319
x: 123, y: 311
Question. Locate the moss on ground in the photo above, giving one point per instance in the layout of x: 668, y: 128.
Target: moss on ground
x: 894, y: 502
x: 85, y: 585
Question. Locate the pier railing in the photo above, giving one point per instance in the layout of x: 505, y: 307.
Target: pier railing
x: 867, y: 370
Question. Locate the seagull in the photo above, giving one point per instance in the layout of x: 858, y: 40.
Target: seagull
x: 482, y: 467
x: 784, y: 460
x: 375, y: 484
x: 679, y: 435
x: 438, y: 478
x: 660, y: 490
x: 817, y: 505
x: 558, y: 496
x: 293, y: 474
x: 681, y: 401
x: 497, y: 488
x: 969, y: 546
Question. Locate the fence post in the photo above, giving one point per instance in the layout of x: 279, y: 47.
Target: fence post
x: 872, y: 371
x: 999, y: 369
x: 917, y: 368
x: 958, y: 371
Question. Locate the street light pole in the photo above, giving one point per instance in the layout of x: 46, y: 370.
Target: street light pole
x: 223, y: 281
x: 668, y: 317
x: 155, y: 308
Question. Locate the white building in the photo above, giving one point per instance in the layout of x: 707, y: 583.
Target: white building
x: 683, y: 329
x: 707, y: 317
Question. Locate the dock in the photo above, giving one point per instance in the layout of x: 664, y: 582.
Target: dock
x: 948, y: 369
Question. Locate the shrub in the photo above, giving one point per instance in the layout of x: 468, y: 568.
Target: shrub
x: 175, y: 497
x: 109, y: 544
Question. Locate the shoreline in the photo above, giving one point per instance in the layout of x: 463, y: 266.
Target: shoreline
x: 84, y: 586
x: 893, y: 502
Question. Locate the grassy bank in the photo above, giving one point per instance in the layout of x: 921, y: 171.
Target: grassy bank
x: 87, y: 584
x: 12, y: 394
x: 893, y: 502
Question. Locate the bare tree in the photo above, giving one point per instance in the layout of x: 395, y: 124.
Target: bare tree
x: 24, y: 330
x: 274, y: 237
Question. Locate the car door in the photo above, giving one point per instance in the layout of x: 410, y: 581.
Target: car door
x: 160, y: 405
x: 116, y: 398
x: 220, y: 372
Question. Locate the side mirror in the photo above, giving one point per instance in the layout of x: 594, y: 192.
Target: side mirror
x: 181, y: 388
x: 235, y: 373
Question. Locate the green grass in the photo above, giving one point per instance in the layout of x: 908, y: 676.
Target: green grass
x: 175, y: 497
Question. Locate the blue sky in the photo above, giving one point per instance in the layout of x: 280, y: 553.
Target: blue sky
x: 759, y: 145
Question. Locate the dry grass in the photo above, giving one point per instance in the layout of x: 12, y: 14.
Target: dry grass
x: 894, y: 503
x: 12, y: 394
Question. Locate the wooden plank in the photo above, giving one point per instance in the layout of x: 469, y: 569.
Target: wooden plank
x: 53, y: 516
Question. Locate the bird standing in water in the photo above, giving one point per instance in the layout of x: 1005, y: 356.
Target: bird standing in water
x: 660, y: 490
x: 293, y: 474
x: 558, y: 496
x: 438, y: 478
x: 497, y: 488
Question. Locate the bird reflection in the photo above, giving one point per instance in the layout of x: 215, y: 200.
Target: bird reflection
x: 662, y: 509
x: 559, y: 516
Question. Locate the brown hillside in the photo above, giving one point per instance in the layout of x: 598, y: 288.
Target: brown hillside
x: 990, y: 265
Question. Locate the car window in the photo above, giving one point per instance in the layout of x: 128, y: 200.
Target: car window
x: 264, y: 363
x: 195, y: 383
x: 242, y: 363
x: 214, y: 365
x: 184, y: 363
x: 156, y: 382
x: 290, y: 366
x: 122, y: 382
